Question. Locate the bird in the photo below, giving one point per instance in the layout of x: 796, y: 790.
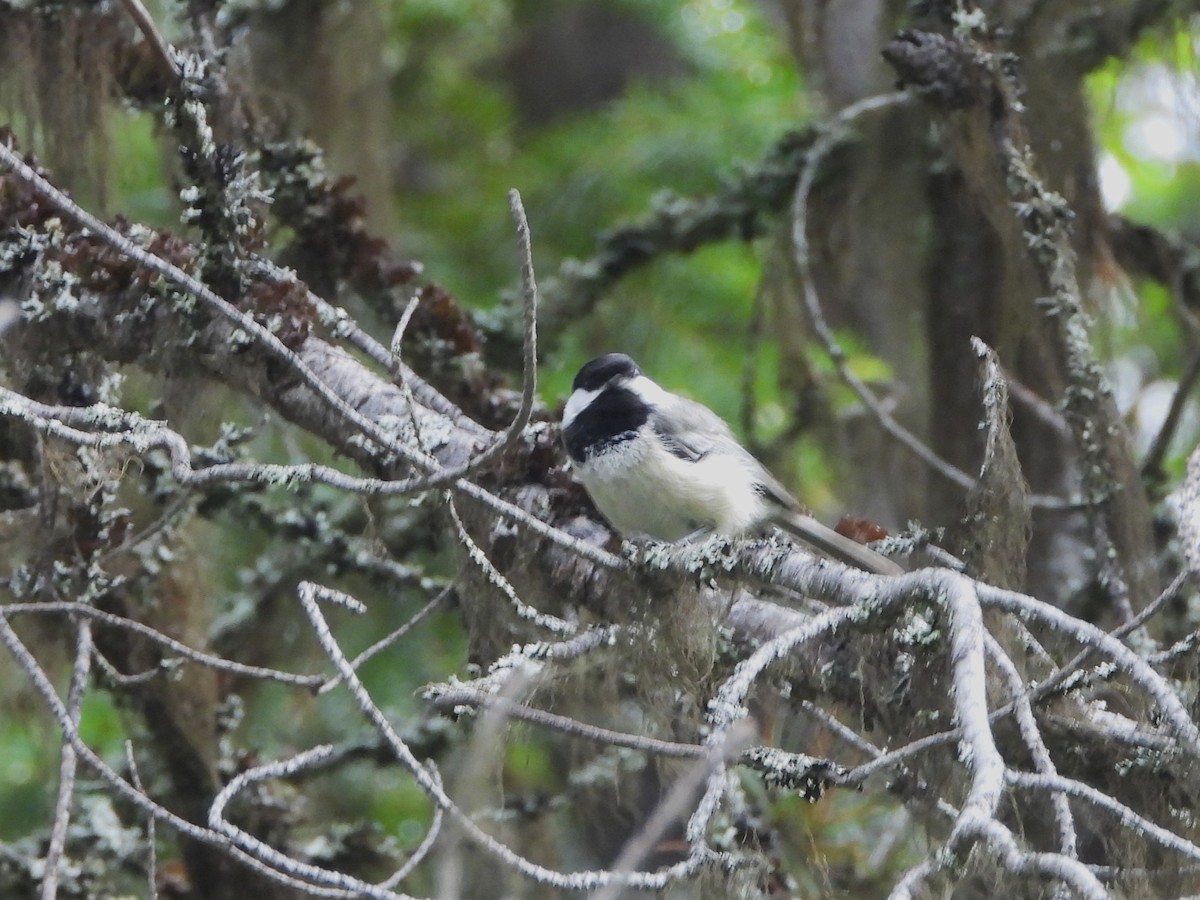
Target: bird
x: 659, y: 465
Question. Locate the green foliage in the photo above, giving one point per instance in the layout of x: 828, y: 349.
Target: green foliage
x: 529, y: 766
x: 138, y: 187
x: 585, y: 173
x: 25, y: 770
x: 700, y: 305
x: 853, y: 845
x: 1151, y: 156
x: 591, y: 170
x: 101, y: 728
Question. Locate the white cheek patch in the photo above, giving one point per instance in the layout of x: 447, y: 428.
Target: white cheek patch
x: 577, y: 403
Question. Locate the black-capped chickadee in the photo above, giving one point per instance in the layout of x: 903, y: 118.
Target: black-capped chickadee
x: 660, y: 465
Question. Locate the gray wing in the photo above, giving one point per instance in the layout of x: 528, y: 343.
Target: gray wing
x: 691, y: 431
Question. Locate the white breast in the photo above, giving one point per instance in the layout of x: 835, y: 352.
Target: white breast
x: 642, y: 489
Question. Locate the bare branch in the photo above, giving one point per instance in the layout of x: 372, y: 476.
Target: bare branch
x: 1023, y: 709
x: 498, y: 581
x: 120, y: 786
x: 129, y: 429
x: 1156, y: 687
x: 1068, y: 786
x: 260, y: 850
x: 423, y: 849
x: 163, y: 54
x: 450, y: 697
x: 151, y: 837
x: 677, y: 800
x: 385, y: 642
x: 829, y: 139
x: 1152, y: 462
x: 586, y: 880
x: 66, y: 770
x: 197, y: 656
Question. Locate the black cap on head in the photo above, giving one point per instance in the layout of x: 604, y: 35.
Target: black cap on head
x: 603, y: 369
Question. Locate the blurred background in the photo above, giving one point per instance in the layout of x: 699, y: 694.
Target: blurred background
x: 602, y: 114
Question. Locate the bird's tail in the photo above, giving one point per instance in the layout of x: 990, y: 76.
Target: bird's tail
x: 840, y: 547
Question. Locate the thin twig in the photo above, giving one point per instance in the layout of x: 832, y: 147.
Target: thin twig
x: 1051, y: 682
x: 675, y: 803
x: 856, y: 740
x: 67, y: 764
x: 451, y: 696
x: 163, y: 56
x: 1027, y: 725
x: 529, y: 309
x: 529, y: 297
x: 1152, y: 464
x: 728, y: 708
x: 130, y: 429
x: 1038, y: 691
x: 126, y: 791
x: 385, y: 642
x: 576, y: 881
x: 397, y: 345
x: 1154, y: 685
x: 427, y: 842
x: 110, y: 676
x: 1059, y: 785
x: 259, y: 849
x: 340, y: 324
x: 497, y: 580
x: 1042, y: 410
x: 197, y: 656
x: 275, y: 347
x: 830, y: 138
x: 151, y: 848
x: 158, y: 525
